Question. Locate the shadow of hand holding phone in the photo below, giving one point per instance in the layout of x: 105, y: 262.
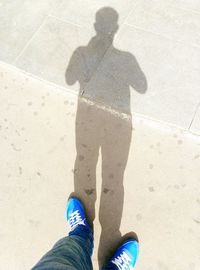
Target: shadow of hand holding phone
x: 107, y: 75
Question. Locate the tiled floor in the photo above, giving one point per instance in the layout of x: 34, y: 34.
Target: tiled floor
x: 40, y: 37
x: 37, y: 170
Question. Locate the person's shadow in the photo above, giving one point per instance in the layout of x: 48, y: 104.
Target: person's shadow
x: 105, y: 74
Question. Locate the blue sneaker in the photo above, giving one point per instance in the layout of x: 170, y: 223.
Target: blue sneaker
x: 75, y: 214
x: 125, y: 257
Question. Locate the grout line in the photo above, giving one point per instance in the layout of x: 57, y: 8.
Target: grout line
x: 29, y: 41
x: 69, y: 22
x: 36, y: 77
x: 195, y: 113
x: 134, y: 5
x: 124, y: 22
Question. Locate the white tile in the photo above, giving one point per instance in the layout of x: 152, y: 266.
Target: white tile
x: 168, y: 19
x: 172, y: 73
x: 18, y: 22
x: 195, y: 127
x: 49, y: 53
x: 187, y: 4
x: 83, y: 12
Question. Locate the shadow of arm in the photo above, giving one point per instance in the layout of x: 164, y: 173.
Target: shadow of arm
x: 137, y: 77
x: 71, y: 73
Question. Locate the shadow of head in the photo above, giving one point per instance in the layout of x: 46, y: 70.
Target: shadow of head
x: 106, y: 24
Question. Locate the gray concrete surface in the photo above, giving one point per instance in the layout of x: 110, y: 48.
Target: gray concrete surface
x: 40, y: 37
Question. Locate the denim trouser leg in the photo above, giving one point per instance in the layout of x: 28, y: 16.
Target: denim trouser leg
x: 72, y: 252
x: 109, y: 266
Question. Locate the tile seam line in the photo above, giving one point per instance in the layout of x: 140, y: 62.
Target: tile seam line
x: 29, y: 41
x: 129, y: 13
x: 163, y: 123
x: 74, y: 93
x: 125, y: 20
x: 85, y: 26
x: 163, y: 36
x: 195, y: 113
x: 68, y: 21
x: 14, y: 68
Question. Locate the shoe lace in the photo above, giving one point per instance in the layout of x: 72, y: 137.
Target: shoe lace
x: 75, y: 220
x: 123, y: 261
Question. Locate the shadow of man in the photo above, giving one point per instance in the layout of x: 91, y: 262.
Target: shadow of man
x: 105, y: 74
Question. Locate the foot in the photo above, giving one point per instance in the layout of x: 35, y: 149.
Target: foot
x: 75, y: 214
x: 125, y: 257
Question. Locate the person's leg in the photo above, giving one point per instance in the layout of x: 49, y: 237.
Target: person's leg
x: 124, y: 258
x: 74, y: 251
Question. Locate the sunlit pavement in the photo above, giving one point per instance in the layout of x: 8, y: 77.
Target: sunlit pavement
x: 116, y: 120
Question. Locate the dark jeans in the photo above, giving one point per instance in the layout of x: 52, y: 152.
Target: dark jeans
x: 70, y: 253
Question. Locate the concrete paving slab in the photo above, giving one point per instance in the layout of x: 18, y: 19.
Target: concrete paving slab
x: 169, y: 73
x: 19, y: 20
x: 168, y: 19
x: 187, y: 4
x: 147, y: 177
x: 49, y: 53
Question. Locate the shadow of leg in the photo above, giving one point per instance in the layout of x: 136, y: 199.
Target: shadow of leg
x: 110, y: 219
x: 115, y: 150
x: 87, y: 146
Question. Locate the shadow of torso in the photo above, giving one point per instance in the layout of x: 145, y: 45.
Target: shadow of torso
x: 106, y: 74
